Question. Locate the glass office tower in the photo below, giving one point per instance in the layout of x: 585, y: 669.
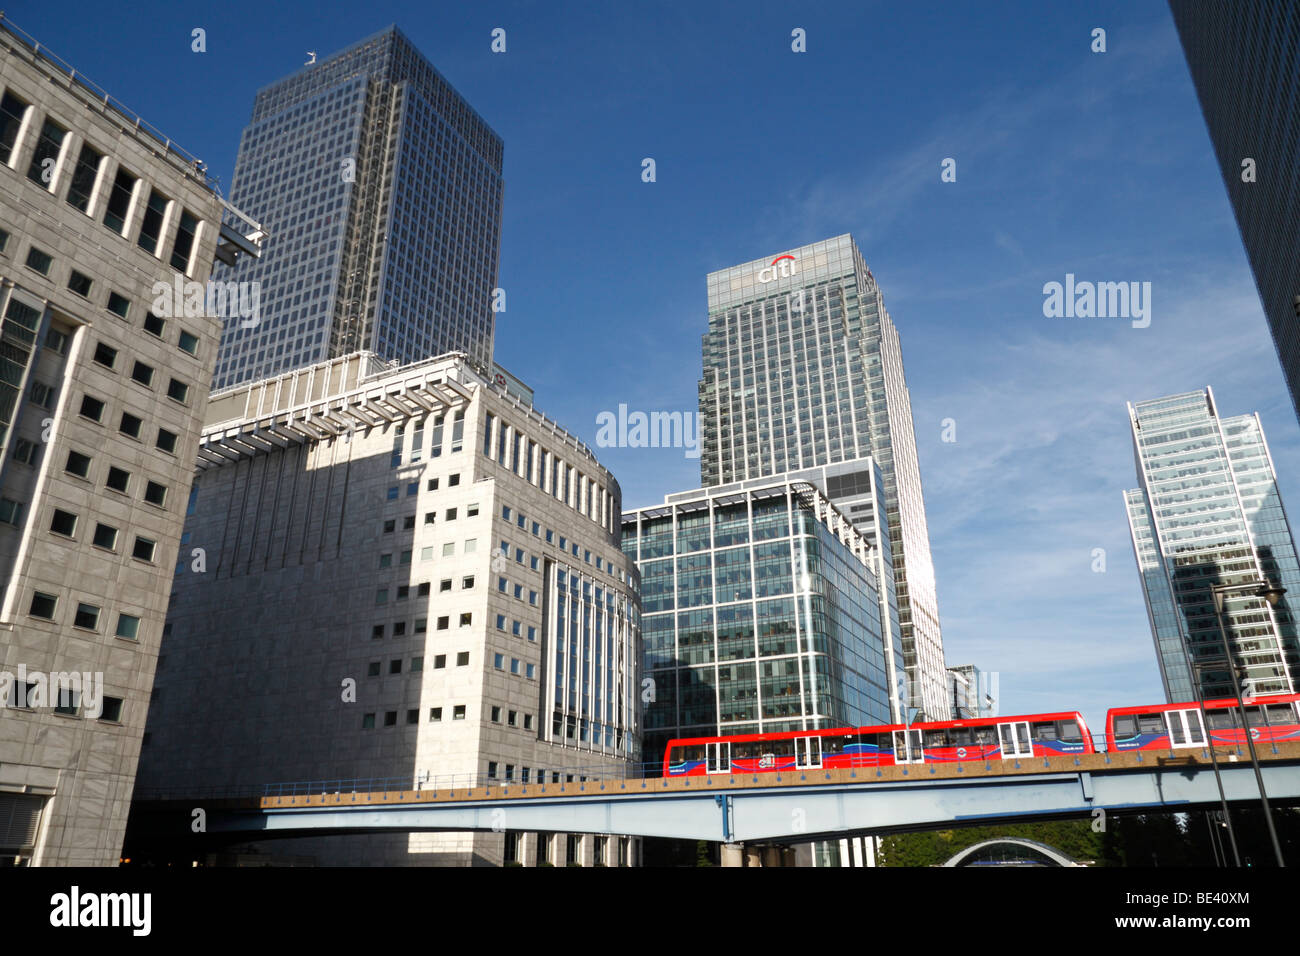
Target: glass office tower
x: 802, y: 368
x: 759, y: 613
x: 1208, y: 513
x: 1244, y: 60
x: 381, y: 192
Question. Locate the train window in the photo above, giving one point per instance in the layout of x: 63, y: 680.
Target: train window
x: 1045, y: 730
x: 960, y: 737
x: 935, y: 738
x: 1151, y: 723
x: 985, y: 735
x: 779, y: 748
x: 1068, y: 731
x: 743, y: 751
x: 835, y: 744
x: 1126, y: 726
x: 1255, y: 716
x: 884, y: 742
x: 1279, y: 714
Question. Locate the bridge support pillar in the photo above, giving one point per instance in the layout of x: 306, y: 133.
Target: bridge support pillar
x: 753, y: 856
x: 733, y: 854
x: 771, y: 856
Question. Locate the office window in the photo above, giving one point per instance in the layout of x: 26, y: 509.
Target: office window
x: 367, y: 721
x: 111, y: 709
x: 413, y: 715
x: 43, y: 605
x: 532, y: 633
x: 433, y: 484
x: 386, y: 560
x: 87, y: 616
x: 39, y: 261
x: 501, y: 622
x: 395, y: 666
x: 390, y: 718
x: 399, y: 629
x: 119, y: 305
x: 458, y: 713
x: 178, y: 391
x: 422, y: 589
x: 381, y: 596
x: 413, y: 488
x: 10, y: 511
x: 430, y: 517
x: 462, y: 659
x: 435, y: 713
x: 142, y: 373
x: 55, y: 341
x: 439, y: 661
x: 166, y: 441
x: 417, y: 664
x: 92, y: 408
x: 154, y: 325
x: 530, y: 671
x: 24, y: 451
x: 390, y: 526
x: 444, y: 622
x: 492, y: 770
x: 12, y: 110
x: 426, y: 554
x: 119, y: 201
x: 83, y: 178
x: 403, y: 592
x: 64, y: 523
x: 466, y: 619
x: 372, y: 669
x: 451, y: 514
x: 130, y: 425
x: 128, y: 626
x: 117, y: 479
x: 144, y: 548
x: 449, y: 549
x: 151, y: 227
x: 105, y: 355
x: 105, y: 537
x: 467, y: 581
x: 496, y: 715
x: 392, y: 493
x: 499, y: 661
x: 46, y: 153
x: 408, y: 523
x: 377, y: 632
x: 185, y: 231
x: 188, y: 343
x: 65, y: 700
x: 80, y: 283
x: 528, y: 721
x: 471, y: 545
x: 421, y: 625
x: 155, y: 493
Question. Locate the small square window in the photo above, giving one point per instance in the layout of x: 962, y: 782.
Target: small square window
x: 377, y: 632
x: 130, y: 425
x: 435, y: 713
x: 144, y: 548
x: 466, y: 619
x: 128, y: 626
x: 514, y: 665
x: 25, y: 451
x: 417, y: 664
x: 80, y: 283
x: 429, y: 517
x: 505, y: 512
x: 178, y: 391
x: 444, y: 585
x: 471, y: 511
x: 189, y: 343
x: 118, y: 304
x: 105, y: 355
x: 451, y: 514
x: 10, y: 511
x: 444, y: 622
x: 471, y: 545
x: 458, y: 713
x: 381, y: 596
x: 155, y: 493
x: 117, y: 479
x: 111, y: 709
x: 390, y: 718
x: 408, y: 523
x: 413, y: 715
x: 92, y: 408
x: 392, y: 493
x: 422, y: 589
x: 501, y: 622
x: 56, y: 341
x: 421, y: 625
x: 39, y: 260
x: 154, y: 325
x: 433, y: 484
x: 449, y: 549
x: 462, y: 659
x: 530, y: 671
x: 78, y: 464
x: 105, y: 537
x: 413, y: 488
x: 496, y: 715
x: 372, y: 669
x: 395, y: 666
x: 142, y: 373
x: 43, y: 605
x: 386, y: 560
x: 64, y: 523
x: 399, y: 629
x: 367, y: 721
x: 403, y: 592
x: 453, y: 480
x: 87, y: 616
x: 499, y: 661
x: 467, y: 581
x: 439, y: 661
x: 166, y: 441
x: 390, y: 526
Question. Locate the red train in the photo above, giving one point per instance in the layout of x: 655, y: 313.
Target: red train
x: 1148, y: 727
x: 946, y: 741
x: 1168, y: 726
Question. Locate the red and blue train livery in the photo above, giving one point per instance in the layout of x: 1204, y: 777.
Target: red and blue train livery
x: 1171, y: 726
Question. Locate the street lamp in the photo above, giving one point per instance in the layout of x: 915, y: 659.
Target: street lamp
x: 1272, y: 594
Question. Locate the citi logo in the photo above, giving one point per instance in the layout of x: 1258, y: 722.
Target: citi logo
x: 788, y: 266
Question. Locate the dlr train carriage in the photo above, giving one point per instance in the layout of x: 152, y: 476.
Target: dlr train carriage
x: 988, y: 738
x: 1170, y: 726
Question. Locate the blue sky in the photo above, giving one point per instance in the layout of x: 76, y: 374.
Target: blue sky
x: 1067, y: 161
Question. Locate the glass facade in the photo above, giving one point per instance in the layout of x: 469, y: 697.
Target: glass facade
x: 760, y: 613
x: 1244, y: 58
x: 1208, y: 513
x: 803, y: 368
x: 381, y: 192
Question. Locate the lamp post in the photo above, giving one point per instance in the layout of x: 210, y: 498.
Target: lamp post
x: 1272, y: 595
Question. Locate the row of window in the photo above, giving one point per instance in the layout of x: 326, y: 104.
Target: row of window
x: 66, y: 701
x: 504, y: 587
x: 64, y: 524
x: 518, y: 668
x: 45, y: 166
x: 374, y: 668
x: 87, y: 616
x: 516, y: 627
x: 565, y: 545
x: 141, y: 373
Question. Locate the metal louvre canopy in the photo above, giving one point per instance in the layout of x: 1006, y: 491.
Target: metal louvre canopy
x: 368, y: 406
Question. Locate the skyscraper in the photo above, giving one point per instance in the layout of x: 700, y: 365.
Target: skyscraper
x: 1208, y: 513
x: 381, y: 189
x: 101, y: 404
x: 1244, y: 61
x: 803, y: 367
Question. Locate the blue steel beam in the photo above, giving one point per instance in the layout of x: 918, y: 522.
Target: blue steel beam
x: 799, y: 807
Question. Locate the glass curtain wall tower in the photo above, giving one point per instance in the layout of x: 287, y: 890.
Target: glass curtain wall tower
x: 803, y: 368
x: 1209, y: 513
x: 381, y: 190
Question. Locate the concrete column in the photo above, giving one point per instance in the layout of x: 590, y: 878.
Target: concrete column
x: 753, y: 856
x: 733, y: 854
x: 771, y: 856
x: 788, y: 856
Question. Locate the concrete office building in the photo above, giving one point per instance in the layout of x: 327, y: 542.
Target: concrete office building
x: 406, y: 575
x: 974, y: 692
x: 1208, y: 513
x: 382, y: 190
x: 1244, y: 58
x: 101, y: 404
x: 803, y: 368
